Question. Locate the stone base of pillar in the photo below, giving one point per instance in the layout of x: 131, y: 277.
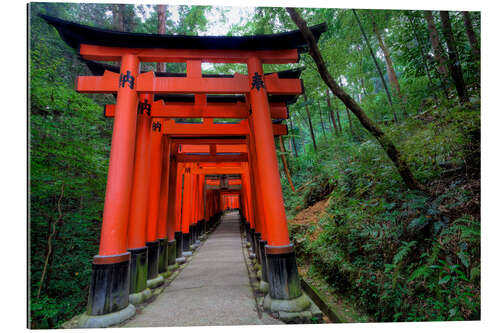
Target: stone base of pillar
x: 138, y: 274
x: 173, y: 267
x: 180, y: 260
x: 108, y: 303
x: 138, y: 298
x: 163, y: 255
x: 285, y: 294
x: 282, y: 273
x: 108, y: 319
x: 187, y: 253
x: 156, y: 281
x: 165, y: 274
x: 297, y: 310
x: 263, y: 287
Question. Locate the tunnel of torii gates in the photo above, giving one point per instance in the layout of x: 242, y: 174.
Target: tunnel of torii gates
x: 169, y: 181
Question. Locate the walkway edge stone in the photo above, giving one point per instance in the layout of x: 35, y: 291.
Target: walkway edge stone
x: 106, y: 320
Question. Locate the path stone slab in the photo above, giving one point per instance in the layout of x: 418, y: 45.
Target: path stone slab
x: 213, y: 289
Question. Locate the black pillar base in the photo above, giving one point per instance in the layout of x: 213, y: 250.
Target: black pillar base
x: 153, y: 256
x: 247, y: 231
x: 256, y: 240
x: 190, y: 239
x: 282, y: 272
x: 263, y: 263
x: 203, y: 226
x: 186, y: 242
x: 109, y: 284
x: 178, y: 244
x: 138, y: 269
x: 163, y: 254
x: 171, y: 252
x: 252, y: 239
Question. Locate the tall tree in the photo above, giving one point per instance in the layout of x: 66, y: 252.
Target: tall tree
x: 454, y: 62
x: 421, y: 51
x: 332, y: 117
x: 398, y: 160
x: 161, y: 9
x: 117, y: 11
x: 293, y: 136
x: 375, y: 62
x: 321, y: 119
x: 311, y: 129
x: 436, y: 45
x: 471, y: 35
x: 284, y: 161
x: 391, y: 73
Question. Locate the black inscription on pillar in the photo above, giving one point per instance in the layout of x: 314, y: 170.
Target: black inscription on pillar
x: 257, y: 81
x: 141, y: 107
x: 157, y: 126
x: 126, y: 78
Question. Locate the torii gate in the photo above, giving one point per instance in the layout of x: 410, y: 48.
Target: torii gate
x: 128, y: 217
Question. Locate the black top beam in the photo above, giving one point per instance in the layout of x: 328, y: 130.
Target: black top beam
x: 75, y: 34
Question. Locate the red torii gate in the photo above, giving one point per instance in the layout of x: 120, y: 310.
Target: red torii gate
x: 136, y: 204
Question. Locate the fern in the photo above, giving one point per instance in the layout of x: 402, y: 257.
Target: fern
x: 403, y: 252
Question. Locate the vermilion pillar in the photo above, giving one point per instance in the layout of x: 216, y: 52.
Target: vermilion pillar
x: 186, y: 210
x: 171, y: 215
x: 112, y: 262
x: 162, y: 209
x: 282, y: 268
x: 154, y: 280
x: 138, y: 205
x: 194, y: 209
x: 178, y: 213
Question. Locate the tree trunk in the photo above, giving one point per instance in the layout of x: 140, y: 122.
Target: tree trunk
x: 285, y: 163
x: 391, y: 73
x: 454, y: 64
x: 332, y: 117
x: 160, y: 66
x: 350, y: 120
x: 321, y: 119
x: 118, y: 17
x: 293, y: 138
x: 436, y: 45
x: 471, y: 35
x: 375, y: 62
x: 338, y: 119
x: 386, y: 143
x: 310, y: 123
x: 421, y: 50
x: 49, y: 241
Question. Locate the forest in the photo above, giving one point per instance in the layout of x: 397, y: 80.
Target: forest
x: 380, y: 167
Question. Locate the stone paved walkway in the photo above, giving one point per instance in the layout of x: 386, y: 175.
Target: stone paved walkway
x: 213, y: 289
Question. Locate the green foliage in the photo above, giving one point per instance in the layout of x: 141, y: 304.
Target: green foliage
x: 69, y: 149
x: 399, y: 255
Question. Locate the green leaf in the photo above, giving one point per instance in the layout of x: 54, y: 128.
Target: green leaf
x: 464, y: 258
x: 445, y: 279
